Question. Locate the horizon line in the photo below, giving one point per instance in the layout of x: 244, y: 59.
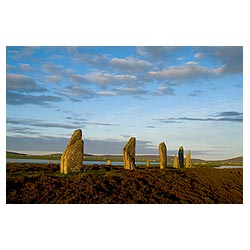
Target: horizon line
x: 50, y: 153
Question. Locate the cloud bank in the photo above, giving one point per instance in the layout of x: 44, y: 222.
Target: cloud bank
x: 146, y: 73
x: 226, y: 116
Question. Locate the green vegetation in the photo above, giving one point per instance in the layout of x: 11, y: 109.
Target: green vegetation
x: 143, y: 158
x: 14, y: 155
x: 43, y: 183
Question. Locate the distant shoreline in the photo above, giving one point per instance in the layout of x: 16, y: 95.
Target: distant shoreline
x: 238, y: 161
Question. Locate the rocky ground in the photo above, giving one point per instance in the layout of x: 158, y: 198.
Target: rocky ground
x: 41, y: 183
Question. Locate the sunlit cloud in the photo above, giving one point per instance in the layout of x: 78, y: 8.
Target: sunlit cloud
x: 186, y: 72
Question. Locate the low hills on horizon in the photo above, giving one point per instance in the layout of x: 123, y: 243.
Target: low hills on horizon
x: 91, y: 157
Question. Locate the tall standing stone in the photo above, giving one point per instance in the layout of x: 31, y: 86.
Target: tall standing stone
x: 72, y: 157
x: 181, y: 156
x: 188, y: 163
x: 176, y: 163
x: 163, y: 155
x: 129, y: 154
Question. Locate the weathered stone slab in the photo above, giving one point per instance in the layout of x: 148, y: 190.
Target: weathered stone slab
x: 129, y: 154
x: 163, y: 155
x: 176, y: 163
x: 181, y: 157
x: 72, y: 157
x: 188, y: 163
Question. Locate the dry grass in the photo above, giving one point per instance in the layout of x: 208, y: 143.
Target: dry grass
x: 41, y: 183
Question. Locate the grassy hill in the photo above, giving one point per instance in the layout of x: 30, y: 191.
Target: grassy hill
x: 15, y: 155
x: 238, y: 161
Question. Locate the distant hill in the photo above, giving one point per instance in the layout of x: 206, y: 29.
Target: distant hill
x: 89, y: 157
x: 16, y: 155
x: 235, y: 160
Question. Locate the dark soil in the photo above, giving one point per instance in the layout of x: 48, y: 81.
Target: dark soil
x: 41, y: 183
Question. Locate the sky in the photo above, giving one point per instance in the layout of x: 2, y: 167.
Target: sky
x: 182, y: 95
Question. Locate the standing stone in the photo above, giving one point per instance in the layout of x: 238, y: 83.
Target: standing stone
x: 163, y: 155
x: 188, y: 163
x: 148, y: 163
x: 181, y: 156
x: 72, y: 157
x: 129, y: 154
x: 176, y: 163
x: 108, y: 163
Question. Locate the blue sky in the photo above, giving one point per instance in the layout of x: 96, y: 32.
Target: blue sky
x: 190, y: 96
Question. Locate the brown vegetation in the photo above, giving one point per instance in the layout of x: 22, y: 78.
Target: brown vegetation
x: 41, y: 183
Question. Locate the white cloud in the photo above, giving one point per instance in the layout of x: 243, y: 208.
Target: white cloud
x: 106, y: 93
x: 51, y: 68
x: 138, y: 90
x: 199, y: 55
x: 129, y: 64
x: 192, y: 63
x: 96, y: 60
x: 23, y: 52
x: 76, y: 92
x: 78, y: 78
x: 163, y: 90
x: 25, y: 67
x: 103, y: 61
x: 229, y: 56
x: 53, y: 78
x: 106, y: 78
x: 186, y: 72
x: 158, y: 52
x: 116, y: 91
